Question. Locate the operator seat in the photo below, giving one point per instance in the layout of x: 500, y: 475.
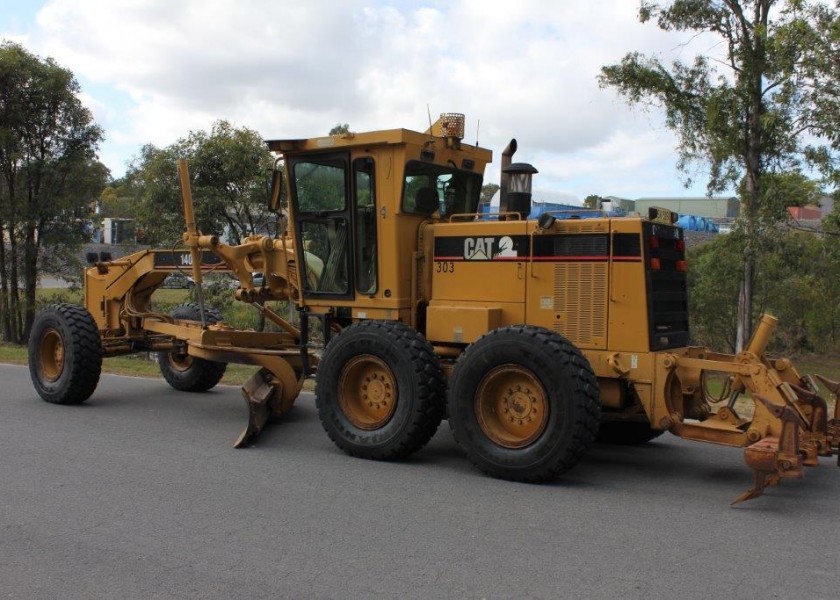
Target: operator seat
x: 426, y: 201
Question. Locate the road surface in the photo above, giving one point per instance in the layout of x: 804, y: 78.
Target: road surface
x: 139, y: 494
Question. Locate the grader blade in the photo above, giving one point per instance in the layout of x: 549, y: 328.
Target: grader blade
x: 260, y: 393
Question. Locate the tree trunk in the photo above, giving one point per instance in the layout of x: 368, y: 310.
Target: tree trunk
x: 30, y: 278
x: 5, y: 314
x: 14, y: 278
x: 745, y: 295
x: 5, y: 276
x: 14, y: 297
x: 753, y: 140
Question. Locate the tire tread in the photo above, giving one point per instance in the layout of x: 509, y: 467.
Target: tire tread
x: 587, y: 408
x: 83, y: 350
x: 430, y: 409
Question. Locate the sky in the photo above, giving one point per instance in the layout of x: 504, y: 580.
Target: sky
x: 153, y: 70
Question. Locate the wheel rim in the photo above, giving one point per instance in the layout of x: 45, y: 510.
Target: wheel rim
x: 367, y: 392
x: 511, y: 406
x: 51, y: 355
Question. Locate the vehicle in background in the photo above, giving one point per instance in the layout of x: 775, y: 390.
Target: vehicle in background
x: 178, y: 281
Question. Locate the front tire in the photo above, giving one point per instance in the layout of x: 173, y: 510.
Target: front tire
x: 188, y: 373
x: 65, y: 354
x: 380, y: 390
x: 523, y: 404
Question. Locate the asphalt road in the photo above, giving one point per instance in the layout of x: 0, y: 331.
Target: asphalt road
x: 139, y: 494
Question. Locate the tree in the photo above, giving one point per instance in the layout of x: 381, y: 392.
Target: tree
x: 818, y: 32
x: 744, y: 123
x: 340, y: 129
x: 48, y: 176
x: 592, y: 201
x: 713, y: 291
x: 229, y: 168
x: 488, y: 190
x: 115, y: 203
x: 797, y: 280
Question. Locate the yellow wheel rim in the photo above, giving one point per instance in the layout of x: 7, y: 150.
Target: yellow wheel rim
x: 367, y: 392
x: 51, y: 355
x: 511, y: 406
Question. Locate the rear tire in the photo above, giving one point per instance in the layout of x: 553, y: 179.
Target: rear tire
x: 188, y: 373
x: 380, y: 390
x: 523, y: 404
x: 65, y: 354
x: 626, y: 433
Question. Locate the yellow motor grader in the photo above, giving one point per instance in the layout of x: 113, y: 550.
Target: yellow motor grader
x: 533, y: 337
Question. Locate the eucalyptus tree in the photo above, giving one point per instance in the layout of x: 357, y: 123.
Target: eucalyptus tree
x: 741, y: 112
x: 48, y: 176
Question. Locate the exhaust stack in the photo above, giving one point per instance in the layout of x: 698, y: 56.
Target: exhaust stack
x: 504, y: 179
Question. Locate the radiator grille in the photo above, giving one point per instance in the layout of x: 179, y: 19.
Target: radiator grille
x: 582, y: 226
x: 580, y: 303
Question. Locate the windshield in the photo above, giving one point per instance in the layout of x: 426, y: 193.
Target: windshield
x: 457, y: 191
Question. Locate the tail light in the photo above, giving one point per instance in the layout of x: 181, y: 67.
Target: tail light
x: 654, y: 264
x: 682, y: 266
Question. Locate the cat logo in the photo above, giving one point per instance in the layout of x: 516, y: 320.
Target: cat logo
x: 488, y: 248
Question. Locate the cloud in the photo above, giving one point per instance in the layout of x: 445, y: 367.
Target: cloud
x: 294, y: 69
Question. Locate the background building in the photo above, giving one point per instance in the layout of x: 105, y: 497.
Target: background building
x: 702, y: 206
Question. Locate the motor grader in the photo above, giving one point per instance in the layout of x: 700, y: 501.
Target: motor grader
x: 533, y: 338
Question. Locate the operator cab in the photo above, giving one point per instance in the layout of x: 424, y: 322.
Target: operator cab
x: 356, y: 205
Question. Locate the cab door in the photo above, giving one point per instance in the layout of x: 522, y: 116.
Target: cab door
x: 335, y: 204
x: 321, y: 194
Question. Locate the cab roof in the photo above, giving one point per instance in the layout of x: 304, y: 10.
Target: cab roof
x: 371, y: 138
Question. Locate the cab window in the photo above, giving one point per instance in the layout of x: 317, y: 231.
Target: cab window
x: 321, y: 185
x: 430, y: 187
x: 365, y: 219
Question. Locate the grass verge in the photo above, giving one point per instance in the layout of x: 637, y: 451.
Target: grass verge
x: 135, y: 366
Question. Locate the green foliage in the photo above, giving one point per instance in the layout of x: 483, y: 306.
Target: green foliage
x: 713, y: 277
x: 779, y: 191
x: 797, y: 281
x: 49, y: 177
x: 592, y: 201
x: 115, y: 203
x: 488, y: 190
x: 229, y: 170
x: 340, y: 129
x: 817, y: 29
x: 218, y: 294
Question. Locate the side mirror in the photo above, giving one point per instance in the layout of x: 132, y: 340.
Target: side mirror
x: 276, y: 189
